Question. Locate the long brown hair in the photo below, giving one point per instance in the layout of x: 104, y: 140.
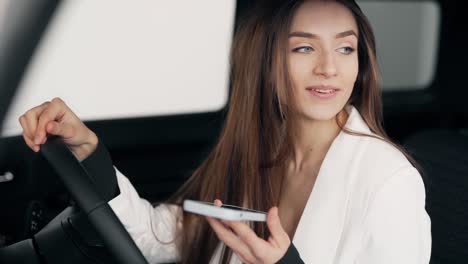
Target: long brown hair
x: 246, y: 165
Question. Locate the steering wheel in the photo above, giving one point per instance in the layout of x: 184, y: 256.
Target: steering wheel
x: 100, y: 215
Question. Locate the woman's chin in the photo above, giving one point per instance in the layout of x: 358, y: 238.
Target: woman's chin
x: 321, y: 114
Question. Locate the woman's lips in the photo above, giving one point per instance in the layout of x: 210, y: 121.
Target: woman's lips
x: 322, y: 91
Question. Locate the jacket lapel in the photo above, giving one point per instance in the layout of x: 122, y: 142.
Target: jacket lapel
x: 319, y: 230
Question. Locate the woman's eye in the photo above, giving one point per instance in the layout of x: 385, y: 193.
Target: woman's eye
x: 346, y: 50
x: 304, y: 49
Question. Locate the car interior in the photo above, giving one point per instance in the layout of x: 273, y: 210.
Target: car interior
x: 42, y: 220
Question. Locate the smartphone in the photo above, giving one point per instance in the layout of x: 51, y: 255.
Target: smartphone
x: 225, y: 212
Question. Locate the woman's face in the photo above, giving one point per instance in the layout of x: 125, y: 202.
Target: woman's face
x: 322, y: 58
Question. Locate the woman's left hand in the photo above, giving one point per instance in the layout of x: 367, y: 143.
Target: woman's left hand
x: 247, y: 245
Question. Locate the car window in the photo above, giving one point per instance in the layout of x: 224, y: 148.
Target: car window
x: 117, y: 59
x: 407, y: 38
x: 3, y: 6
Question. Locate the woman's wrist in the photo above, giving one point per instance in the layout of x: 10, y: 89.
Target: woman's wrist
x: 87, y: 148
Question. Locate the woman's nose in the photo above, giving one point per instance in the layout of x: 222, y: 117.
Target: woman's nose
x: 325, y: 66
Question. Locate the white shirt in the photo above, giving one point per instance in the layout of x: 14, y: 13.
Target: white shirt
x: 367, y: 206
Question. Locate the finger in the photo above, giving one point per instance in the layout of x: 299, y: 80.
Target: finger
x: 40, y: 107
x: 257, y: 245
x: 230, y: 239
x: 54, y: 112
x: 63, y: 130
x: 30, y: 143
x: 30, y: 123
x: 272, y: 241
x: 31, y: 117
x: 43, y: 141
x: 245, y: 259
x: 28, y: 138
x: 218, y: 202
x: 276, y: 229
x: 26, y: 130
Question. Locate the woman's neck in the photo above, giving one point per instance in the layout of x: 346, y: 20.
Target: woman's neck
x: 313, y: 139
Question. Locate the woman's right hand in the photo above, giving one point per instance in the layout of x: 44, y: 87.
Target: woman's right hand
x: 56, y: 118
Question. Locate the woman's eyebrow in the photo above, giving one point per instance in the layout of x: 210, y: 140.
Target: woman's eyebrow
x: 303, y: 34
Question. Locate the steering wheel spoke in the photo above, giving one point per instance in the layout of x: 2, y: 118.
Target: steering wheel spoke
x: 82, y: 189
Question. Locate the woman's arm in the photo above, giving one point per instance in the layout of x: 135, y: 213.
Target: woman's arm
x: 100, y: 168
x: 153, y: 229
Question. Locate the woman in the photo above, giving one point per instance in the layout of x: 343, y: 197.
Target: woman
x: 303, y: 138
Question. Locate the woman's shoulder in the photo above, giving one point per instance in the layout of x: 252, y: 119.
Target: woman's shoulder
x: 384, y: 155
x: 382, y: 170
x: 373, y: 152
x: 381, y: 163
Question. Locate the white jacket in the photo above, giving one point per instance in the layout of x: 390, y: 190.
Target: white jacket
x: 367, y: 206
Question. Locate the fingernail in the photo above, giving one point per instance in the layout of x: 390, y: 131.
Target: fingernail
x: 36, y: 148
